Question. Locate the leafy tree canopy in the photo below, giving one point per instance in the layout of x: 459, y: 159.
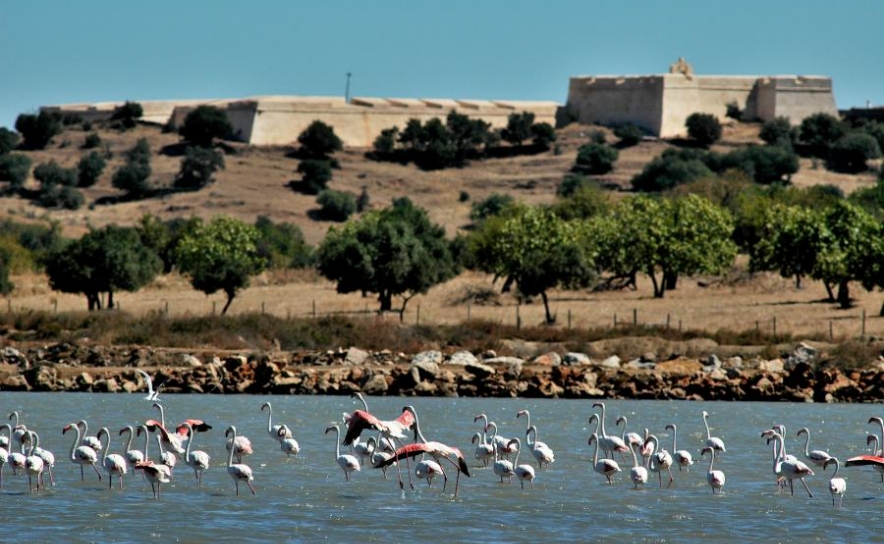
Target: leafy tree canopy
x: 204, y: 124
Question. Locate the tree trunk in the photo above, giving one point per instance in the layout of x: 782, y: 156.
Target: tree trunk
x: 402, y: 310
x: 881, y: 311
x: 797, y: 281
x: 230, y: 296
x: 671, y: 280
x: 829, y: 291
x: 658, y: 287
x: 110, y: 300
x: 843, y: 295
x: 632, y: 280
x: 507, y: 285
x: 386, y: 300
x: 93, y: 302
x: 550, y: 319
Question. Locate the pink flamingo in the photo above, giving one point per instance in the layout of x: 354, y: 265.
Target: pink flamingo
x: 197, y: 460
x: 113, y: 463
x: 239, y: 472
x: 82, y: 455
x: 348, y: 463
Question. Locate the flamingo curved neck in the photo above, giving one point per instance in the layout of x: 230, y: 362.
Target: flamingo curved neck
x: 417, y: 426
x: 189, y: 440
x: 106, y: 443
x: 146, y: 441
x: 75, y: 444
x: 806, y: 444
x: 519, y: 445
x: 232, y: 430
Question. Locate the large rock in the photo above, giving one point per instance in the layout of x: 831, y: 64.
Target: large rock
x: 548, y: 359
x: 612, y: 362
x: 426, y: 370
x: 431, y: 356
x: 480, y: 370
x: 462, y: 358
x: 573, y: 358
x: 190, y: 361
x: 356, y: 356
x: 13, y: 356
x: 774, y: 365
x: 375, y: 385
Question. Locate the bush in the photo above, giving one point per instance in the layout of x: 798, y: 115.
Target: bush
x: 363, y: 201
x: 60, y: 196
x: 133, y: 176
x: 92, y: 141
x: 336, y: 205
x: 386, y: 141
x: 319, y: 140
x: 875, y: 130
x: 315, y: 175
x: 463, y: 196
x: 198, y: 167
x: 15, y: 168
x: 733, y: 111
x: 127, y: 115
x: 38, y: 130
x: 778, y: 131
x: 629, y: 135
x: 598, y: 137
x: 489, y: 207
x: 850, y: 153
x: 819, y: 132
x: 9, y: 140
x: 518, y: 128
x: 703, y: 128
x: 764, y: 164
x: 544, y: 134
x: 596, y: 159
x: 571, y: 184
x: 673, y: 167
x: 51, y: 174
x: 204, y: 124
x: 89, y: 169
x: 282, y: 245
x: 140, y: 152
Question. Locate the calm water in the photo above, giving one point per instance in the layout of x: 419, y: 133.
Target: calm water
x: 306, y: 499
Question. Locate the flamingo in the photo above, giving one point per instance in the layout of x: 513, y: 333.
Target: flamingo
x: 82, y: 455
x: 289, y: 446
x: 113, y: 463
x: 167, y: 458
x: 879, y: 444
x: 659, y: 460
x: 436, y: 450
x: 348, y: 463
x: 171, y: 441
x: 239, y: 445
x: 542, y: 453
x: 499, y: 442
x: 91, y: 441
x: 715, y: 478
x: 197, y: 460
x: 608, y: 443
x: 683, y: 458
x: 790, y: 470
x: 34, y: 463
x: 523, y: 472
x: 273, y: 430
x: 4, y: 453
x: 47, y: 456
x: 380, y: 455
x: 638, y: 473
x: 606, y: 467
x: 19, y: 433
x: 133, y: 457
x: 631, y: 439
x: 360, y: 420
x: 713, y: 442
x: 875, y: 460
x: 152, y: 395
x: 239, y: 472
x: 4, y: 440
x: 528, y: 429
x: 837, y: 486
x: 817, y: 457
x: 155, y: 473
x: 484, y: 451
x: 502, y: 467
x: 427, y: 469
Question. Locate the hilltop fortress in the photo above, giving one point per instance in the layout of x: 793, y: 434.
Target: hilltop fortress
x: 659, y: 104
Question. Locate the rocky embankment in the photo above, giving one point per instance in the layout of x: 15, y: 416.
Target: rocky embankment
x: 66, y: 367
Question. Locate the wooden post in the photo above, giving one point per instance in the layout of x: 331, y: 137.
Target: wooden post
x: 469, y: 312
x: 775, y: 326
x: 569, y: 319
x: 314, y: 310
x: 864, y: 324
x: 262, y: 307
x: 167, y: 307
x: 418, y: 318
x: 615, y: 321
x: 9, y: 305
x: 831, y: 335
x: 55, y: 306
x: 213, y: 307
x: 635, y: 317
x: 679, y: 325
x: 668, y: 318
x: 518, y: 317
x: 757, y: 328
x: 288, y: 314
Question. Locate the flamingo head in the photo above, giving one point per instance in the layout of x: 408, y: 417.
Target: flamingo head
x: 67, y: 428
x: 516, y: 441
x: 520, y: 413
x: 619, y: 419
x: 266, y: 405
x: 593, y: 417
x: 875, y: 419
x: 705, y: 414
x: 598, y: 405
x: 229, y: 430
x: 670, y: 426
x: 802, y: 430
x: 592, y: 438
x: 330, y: 429
x: 871, y: 438
x: 476, y: 437
x: 704, y: 450
x: 830, y: 461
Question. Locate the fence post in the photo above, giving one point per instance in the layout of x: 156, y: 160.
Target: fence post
x: 775, y: 327
x: 864, y: 324
x: 518, y: 317
x: 167, y: 307
x: 262, y: 307
x: 635, y: 317
x: 679, y: 325
x: 418, y: 319
x: 469, y: 312
x: 615, y: 321
x: 213, y: 307
x: 831, y: 335
x: 314, y: 309
x: 569, y: 319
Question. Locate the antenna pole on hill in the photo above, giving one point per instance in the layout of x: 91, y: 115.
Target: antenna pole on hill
x: 347, y: 90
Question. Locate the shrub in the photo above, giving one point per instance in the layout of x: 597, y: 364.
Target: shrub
x: 38, y: 130
x: 819, y: 132
x: 629, y: 135
x: 60, y: 196
x: 51, y: 173
x: 336, y: 205
x: 671, y: 168
x: 850, y: 153
x: 733, y: 111
x: 133, y: 179
x: 491, y: 206
x: 544, y: 134
x: 875, y: 130
x: 127, y: 115
x: 571, y: 184
x: 315, y: 175
x: 386, y: 140
x: 598, y: 137
x: 198, y: 167
x: 140, y: 152
x: 518, y: 128
x: 282, y: 245
x: 14, y: 168
x: 9, y: 140
x: 363, y: 201
x: 703, y: 128
x: 764, y: 164
x: 89, y: 169
x: 204, y: 124
x: 596, y: 159
x: 92, y: 141
x: 463, y: 196
x: 778, y: 131
x: 319, y: 140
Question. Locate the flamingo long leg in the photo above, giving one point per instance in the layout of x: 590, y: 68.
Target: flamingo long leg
x: 806, y: 488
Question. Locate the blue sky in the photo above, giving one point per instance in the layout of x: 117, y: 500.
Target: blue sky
x: 59, y: 51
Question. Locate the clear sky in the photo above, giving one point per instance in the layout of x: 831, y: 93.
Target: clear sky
x: 62, y: 51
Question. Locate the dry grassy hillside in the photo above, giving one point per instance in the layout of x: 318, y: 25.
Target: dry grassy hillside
x: 255, y: 183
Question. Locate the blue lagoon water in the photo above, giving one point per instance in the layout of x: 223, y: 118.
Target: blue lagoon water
x: 305, y: 498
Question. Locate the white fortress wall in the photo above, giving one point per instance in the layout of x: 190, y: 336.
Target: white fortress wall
x: 684, y: 95
x: 614, y: 100
x: 795, y: 97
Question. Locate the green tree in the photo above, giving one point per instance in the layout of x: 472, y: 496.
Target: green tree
x: 220, y: 256
x: 673, y: 167
x: 536, y: 250
x: 414, y: 135
x: 596, y: 159
x: 315, y: 175
x: 819, y: 131
x: 102, y: 261
x: 9, y: 140
x: 629, y: 135
x: 89, y: 169
x: 851, y: 153
x: 50, y: 174
x: 15, y: 168
x: 127, y: 115
x: 319, y: 140
x: 778, y: 131
x: 493, y: 205
x: 38, y: 130
x: 544, y: 134
x: 396, y: 251
x: 205, y: 123
x: 703, y: 128
x: 518, y: 128
x: 133, y: 177
x: 198, y: 167
x: 385, y: 143
x: 790, y: 240
x: 675, y: 237
x: 282, y: 245
x: 336, y: 205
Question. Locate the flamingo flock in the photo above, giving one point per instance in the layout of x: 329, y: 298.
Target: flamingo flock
x: 400, y: 442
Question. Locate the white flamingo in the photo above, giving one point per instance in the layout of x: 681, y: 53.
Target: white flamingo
x: 502, y: 467
x: 167, y: 457
x: 380, y: 455
x: 114, y: 463
x: 156, y: 473
x: 484, y: 451
x: 19, y: 435
x: 34, y: 463
x: 638, y: 473
x: 427, y: 469
x: 817, y: 457
x: 523, y: 472
x: 606, y: 467
x: 48, y: 459
x: 683, y: 458
x: 82, y: 455
x: 791, y: 470
x: 713, y: 442
x: 91, y: 441
x: 288, y: 446
x: 348, y: 463
x: 239, y: 472
x: 499, y: 442
x: 837, y: 486
x: 631, y: 439
x: 660, y: 460
x: 171, y: 441
x: 543, y: 454
x: 4, y: 453
x: 715, y: 478
x: 241, y: 446
x: 273, y: 430
x: 608, y: 443
x: 133, y: 456
x: 197, y: 460
x: 528, y: 429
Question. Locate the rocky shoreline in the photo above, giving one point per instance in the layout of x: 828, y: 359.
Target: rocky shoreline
x: 111, y: 369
